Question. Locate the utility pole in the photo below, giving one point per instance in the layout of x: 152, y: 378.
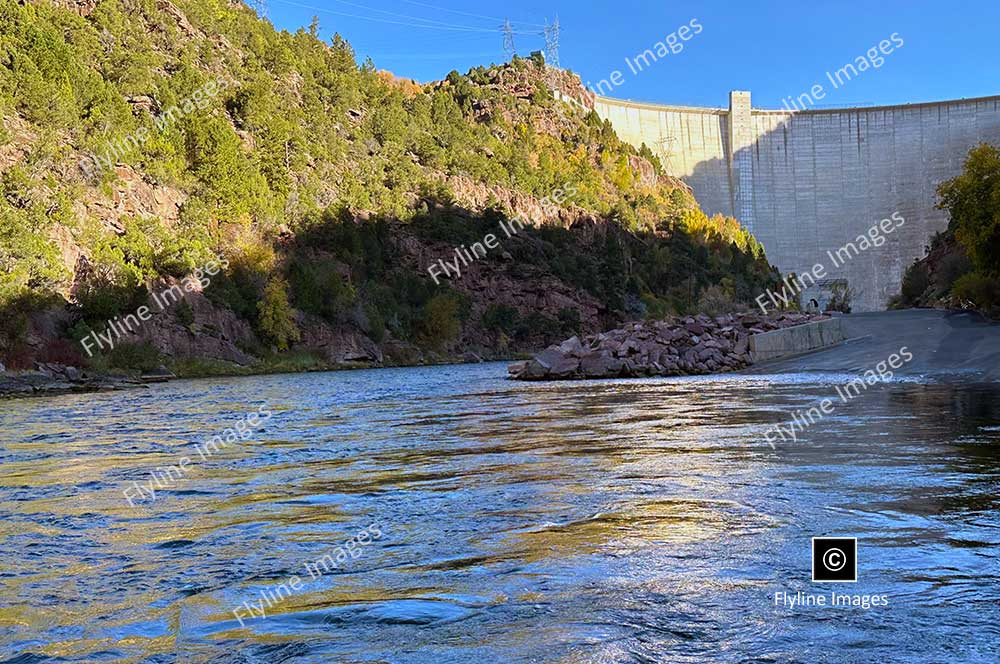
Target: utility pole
x: 552, y: 41
x: 508, y: 40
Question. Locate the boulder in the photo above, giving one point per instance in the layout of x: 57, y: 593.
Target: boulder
x: 533, y: 371
x: 572, y: 346
x: 516, y: 369
x: 548, y: 357
x: 594, y: 365
x: 603, y: 365
x: 10, y: 386
x: 742, y: 345
x: 56, y: 386
x: 565, y: 367
x: 694, y: 328
x: 34, y: 379
x: 158, y: 375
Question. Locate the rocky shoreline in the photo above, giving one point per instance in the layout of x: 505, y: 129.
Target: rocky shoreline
x: 50, y: 379
x: 684, y: 346
x: 691, y: 346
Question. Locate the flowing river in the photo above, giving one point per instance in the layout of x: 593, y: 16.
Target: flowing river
x: 446, y: 514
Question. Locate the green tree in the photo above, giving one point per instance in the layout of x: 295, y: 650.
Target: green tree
x: 276, y: 316
x: 441, y: 322
x: 973, y: 201
x: 501, y: 318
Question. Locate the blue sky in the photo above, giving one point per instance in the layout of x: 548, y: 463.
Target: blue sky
x: 774, y: 49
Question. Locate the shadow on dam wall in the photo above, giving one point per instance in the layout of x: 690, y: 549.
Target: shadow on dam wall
x: 808, y: 183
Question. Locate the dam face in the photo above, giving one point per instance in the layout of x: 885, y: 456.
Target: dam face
x: 809, y: 182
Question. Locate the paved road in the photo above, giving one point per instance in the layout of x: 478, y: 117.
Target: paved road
x: 946, y: 345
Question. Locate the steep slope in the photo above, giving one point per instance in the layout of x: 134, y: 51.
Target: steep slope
x: 143, y: 140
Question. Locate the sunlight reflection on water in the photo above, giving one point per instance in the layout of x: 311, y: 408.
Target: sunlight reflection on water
x: 642, y: 520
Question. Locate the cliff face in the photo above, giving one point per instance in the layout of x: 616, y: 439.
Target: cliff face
x: 140, y: 142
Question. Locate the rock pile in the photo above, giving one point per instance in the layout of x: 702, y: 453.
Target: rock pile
x: 689, y: 346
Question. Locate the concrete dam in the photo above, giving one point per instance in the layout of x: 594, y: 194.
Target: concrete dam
x: 808, y: 182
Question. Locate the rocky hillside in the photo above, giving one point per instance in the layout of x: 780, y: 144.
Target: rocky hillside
x: 142, y: 140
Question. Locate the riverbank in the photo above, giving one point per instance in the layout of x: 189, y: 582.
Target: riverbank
x: 49, y: 379
x: 949, y: 345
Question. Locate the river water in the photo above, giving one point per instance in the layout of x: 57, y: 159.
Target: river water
x: 495, y: 521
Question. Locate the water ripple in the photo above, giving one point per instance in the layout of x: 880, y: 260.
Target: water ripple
x: 604, y: 521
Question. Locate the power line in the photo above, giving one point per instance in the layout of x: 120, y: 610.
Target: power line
x: 455, y: 11
x: 259, y: 7
x: 473, y: 32
x: 412, y: 18
x: 444, y: 56
x: 427, y: 42
x: 323, y: 10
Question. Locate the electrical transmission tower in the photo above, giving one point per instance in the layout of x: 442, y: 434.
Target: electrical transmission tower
x: 551, y: 34
x: 666, y: 144
x: 508, y: 40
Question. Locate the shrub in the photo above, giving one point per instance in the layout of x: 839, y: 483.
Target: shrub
x: 656, y: 308
x: 840, y: 298
x: 569, y: 321
x: 375, y: 323
x: 717, y: 299
x: 440, y: 323
x: 320, y: 289
x: 184, y: 313
x: 981, y: 290
x: 62, y: 351
x: 240, y: 287
x: 501, y: 318
x: 538, y: 326
x: 157, y: 251
x: 952, y: 267
x: 915, y: 282
x: 101, y: 298
x: 14, y: 311
x: 28, y: 258
x: 18, y: 356
x: 133, y: 356
x: 276, y: 318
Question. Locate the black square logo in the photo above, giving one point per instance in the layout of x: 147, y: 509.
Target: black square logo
x: 835, y: 559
